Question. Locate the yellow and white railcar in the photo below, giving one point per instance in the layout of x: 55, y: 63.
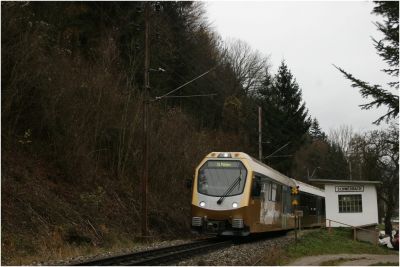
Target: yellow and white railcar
x: 234, y: 194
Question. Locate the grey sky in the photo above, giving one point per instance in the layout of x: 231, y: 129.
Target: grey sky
x: 311, y: 36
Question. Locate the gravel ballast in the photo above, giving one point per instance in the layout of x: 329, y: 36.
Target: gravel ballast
x: 240, y: 254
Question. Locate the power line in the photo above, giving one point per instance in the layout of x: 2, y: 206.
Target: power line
x: 192, y: 69
x: 279, y: 149
x: 187, y: 96
x: 183, y: 85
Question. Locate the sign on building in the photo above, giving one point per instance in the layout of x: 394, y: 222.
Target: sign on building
x: 349, y: 188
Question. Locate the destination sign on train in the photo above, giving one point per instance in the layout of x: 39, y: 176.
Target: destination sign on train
x: 223, y: 164
x: 349, y: 188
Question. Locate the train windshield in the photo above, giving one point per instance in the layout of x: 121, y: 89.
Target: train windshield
x: 217, y: 176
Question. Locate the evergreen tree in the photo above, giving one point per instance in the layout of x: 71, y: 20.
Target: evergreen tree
x: 388, y: 49
x: 286, y: 119
x: 315, y: 131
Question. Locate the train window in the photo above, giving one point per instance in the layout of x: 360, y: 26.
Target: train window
x: 256, y: 189
x: 265, y: 191
x: 350, y: 203
x: 278, y: 192
x: 272, y: 195
x: 217, y: 177
x: 309, y: 201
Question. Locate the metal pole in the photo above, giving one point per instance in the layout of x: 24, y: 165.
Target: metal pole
x: 145, y: 123
x: 295, y: 227
x: 299, y: 223
x: 259, y: 134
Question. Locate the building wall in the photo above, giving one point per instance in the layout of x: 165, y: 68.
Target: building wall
x: 369, y: 214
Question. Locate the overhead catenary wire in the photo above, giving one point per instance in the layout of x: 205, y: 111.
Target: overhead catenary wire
x: 183, y: 85
x: 217, y: 82
x: 187, y: 96
x: 279, y: 149
x: 192, y: 69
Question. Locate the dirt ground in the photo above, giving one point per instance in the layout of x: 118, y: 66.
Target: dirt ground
x: 346, y: 259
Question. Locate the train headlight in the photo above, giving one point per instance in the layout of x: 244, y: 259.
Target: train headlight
x: 202, y: 203
x: 234, y: 205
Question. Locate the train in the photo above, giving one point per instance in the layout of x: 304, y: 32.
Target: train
x: 234, y: 194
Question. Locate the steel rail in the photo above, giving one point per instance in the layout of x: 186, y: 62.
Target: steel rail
x: 160, y: 255
x: 176, y: 253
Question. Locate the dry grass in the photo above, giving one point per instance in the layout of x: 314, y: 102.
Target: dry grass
x: 272, y: 258
x: 46, y: 255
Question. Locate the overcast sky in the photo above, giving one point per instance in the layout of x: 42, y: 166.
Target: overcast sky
x: 311, y: 36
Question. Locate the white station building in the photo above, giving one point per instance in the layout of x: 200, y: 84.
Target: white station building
x: 350, y: 202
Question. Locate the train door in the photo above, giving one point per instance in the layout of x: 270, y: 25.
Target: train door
x: 271, y: 203
x: 264, y: 203
x: 256, y: 200
x: 286, y: 206
x: 278, y: 204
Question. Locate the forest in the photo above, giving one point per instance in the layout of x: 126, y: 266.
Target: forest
x: 72, y: 122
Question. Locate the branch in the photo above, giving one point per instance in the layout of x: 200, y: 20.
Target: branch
x: 380, y: 96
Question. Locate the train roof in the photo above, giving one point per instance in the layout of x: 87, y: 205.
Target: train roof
x: 262, y: 168
x: 257, y: 166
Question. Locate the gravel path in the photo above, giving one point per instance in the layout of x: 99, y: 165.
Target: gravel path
x: 346, y: 259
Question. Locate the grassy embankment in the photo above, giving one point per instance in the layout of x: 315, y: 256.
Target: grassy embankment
x: 320, y: 242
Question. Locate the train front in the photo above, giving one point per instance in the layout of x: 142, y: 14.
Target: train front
x: 220, y: 195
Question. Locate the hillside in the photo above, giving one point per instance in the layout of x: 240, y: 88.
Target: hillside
x: 72, y: 121
x: 72, y: 129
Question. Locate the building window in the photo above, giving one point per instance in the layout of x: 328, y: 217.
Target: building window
x: 350, y: 203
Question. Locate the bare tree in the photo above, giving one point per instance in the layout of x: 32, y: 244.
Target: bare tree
x: 342, y: 137
x: 378, y: 152
x: 248, y: 65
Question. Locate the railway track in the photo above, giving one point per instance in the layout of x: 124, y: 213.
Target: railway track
x: 162, y: 256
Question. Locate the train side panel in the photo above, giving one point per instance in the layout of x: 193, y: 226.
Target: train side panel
x: 269, y: 207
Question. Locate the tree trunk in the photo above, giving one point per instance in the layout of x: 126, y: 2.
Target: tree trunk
x: 388, y: 218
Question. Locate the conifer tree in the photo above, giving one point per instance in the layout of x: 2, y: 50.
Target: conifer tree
x: 388, y: 49
x: 315, y: 131
x: 286, y: 119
